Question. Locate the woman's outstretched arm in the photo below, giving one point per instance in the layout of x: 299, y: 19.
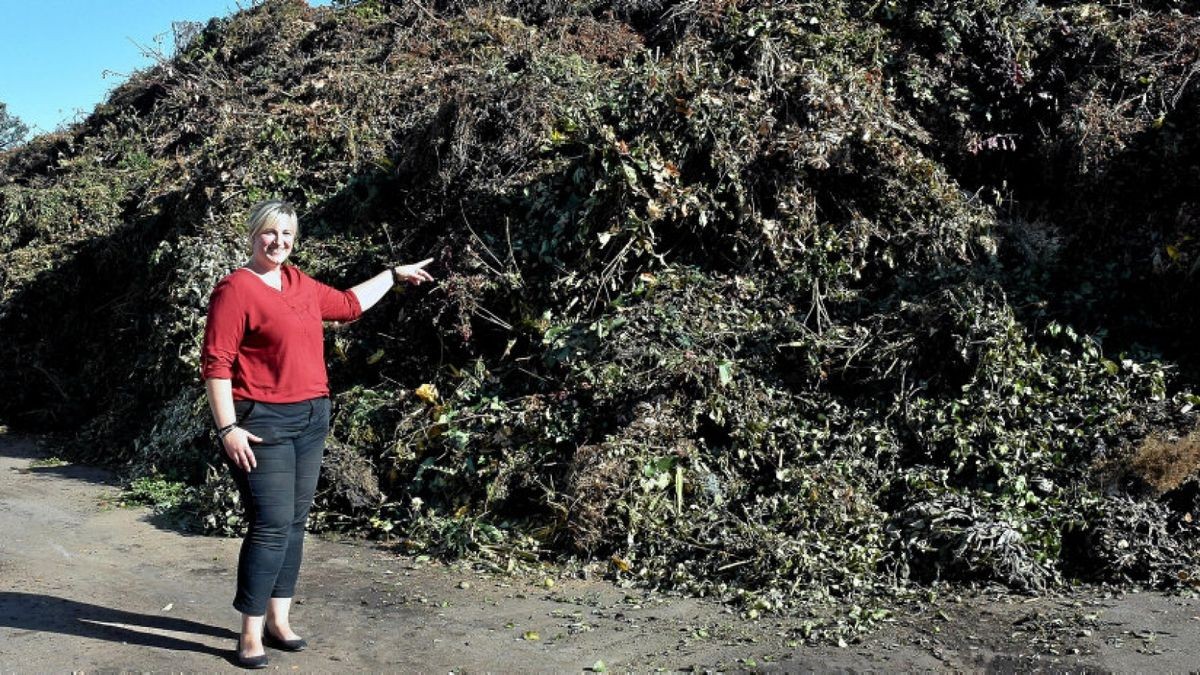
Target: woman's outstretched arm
x: 370, y: 291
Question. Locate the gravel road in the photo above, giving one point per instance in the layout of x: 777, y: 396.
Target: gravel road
x: 88, y: 585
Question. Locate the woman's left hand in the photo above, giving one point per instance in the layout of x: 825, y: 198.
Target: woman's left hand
x: 413, y: 274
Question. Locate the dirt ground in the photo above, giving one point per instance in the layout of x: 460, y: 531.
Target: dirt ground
x: 89, y: 586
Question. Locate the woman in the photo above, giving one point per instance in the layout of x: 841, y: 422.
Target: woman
x: 264, y: 370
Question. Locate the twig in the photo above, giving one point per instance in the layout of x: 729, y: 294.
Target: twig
x: 817, y: 309
x: 499, y: 265
x: 53, y: 381
x: 610, y: 270
x: 487, y: 315
x: 1179, y: 92
x: 391, y: 247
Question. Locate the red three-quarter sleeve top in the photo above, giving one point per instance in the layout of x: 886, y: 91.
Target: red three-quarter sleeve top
x: 270, y: 344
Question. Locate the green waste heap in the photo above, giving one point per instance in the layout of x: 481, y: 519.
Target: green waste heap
x: 780, y: 300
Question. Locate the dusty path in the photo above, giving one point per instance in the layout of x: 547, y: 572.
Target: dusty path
x: 86, y: 586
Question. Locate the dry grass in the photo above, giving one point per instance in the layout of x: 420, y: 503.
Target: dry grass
x: 1166, y: 463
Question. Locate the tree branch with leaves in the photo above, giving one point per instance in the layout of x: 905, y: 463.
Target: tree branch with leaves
x: 12, y: 130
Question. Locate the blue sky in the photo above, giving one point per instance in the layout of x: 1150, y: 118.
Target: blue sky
x: 59, y: 58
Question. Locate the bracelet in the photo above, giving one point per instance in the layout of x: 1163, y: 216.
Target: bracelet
x: 396, y: 278
x: 224, y: 431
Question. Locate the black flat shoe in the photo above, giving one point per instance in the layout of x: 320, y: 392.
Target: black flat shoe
x: 254, y: 662
x: 297, y: 645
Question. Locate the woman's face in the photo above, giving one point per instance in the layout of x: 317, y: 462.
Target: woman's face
x: 273, y: 241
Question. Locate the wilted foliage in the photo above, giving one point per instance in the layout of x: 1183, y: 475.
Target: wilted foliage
x: 1166, y: 464
x: 774, y: 301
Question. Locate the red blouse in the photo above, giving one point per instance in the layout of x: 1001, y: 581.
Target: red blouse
x: 271, y: 344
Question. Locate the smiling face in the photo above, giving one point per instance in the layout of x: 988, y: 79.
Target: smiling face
x: 273, y: 241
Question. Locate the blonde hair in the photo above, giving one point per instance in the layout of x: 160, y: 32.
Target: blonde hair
x: 268, y: 212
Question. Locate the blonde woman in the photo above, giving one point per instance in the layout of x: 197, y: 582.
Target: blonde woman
x: 263, y: 366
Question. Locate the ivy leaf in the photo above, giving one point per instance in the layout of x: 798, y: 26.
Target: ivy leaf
x: 725, y: 373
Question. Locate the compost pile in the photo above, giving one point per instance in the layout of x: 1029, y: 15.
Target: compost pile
x: 778, y: 301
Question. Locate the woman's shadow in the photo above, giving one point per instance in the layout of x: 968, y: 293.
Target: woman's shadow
x: 48, y: 614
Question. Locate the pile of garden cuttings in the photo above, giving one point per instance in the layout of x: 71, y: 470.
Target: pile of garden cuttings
x: 779, y: 301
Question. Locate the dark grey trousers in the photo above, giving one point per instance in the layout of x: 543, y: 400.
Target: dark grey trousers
x: 277, y: 495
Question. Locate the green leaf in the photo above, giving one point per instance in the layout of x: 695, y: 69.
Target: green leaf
x: 725, y: 373
x: 630, y: 174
